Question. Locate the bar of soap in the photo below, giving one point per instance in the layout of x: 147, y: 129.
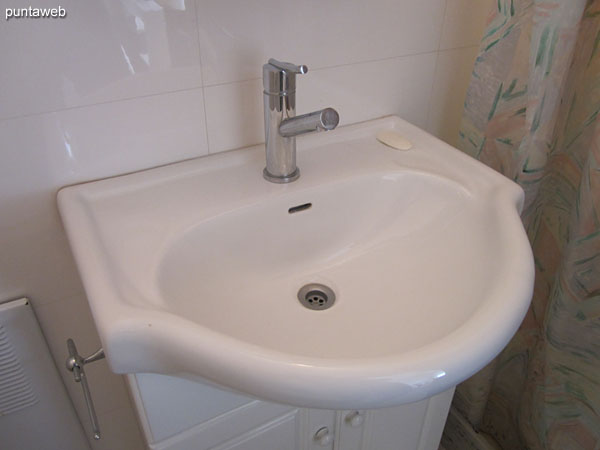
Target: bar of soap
x: 393, y: 139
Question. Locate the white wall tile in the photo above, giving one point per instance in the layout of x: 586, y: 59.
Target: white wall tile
x: 452, y: 77
x: 44, y: 152
x: 35, y: 259
x: 234, y: 115
x: 365, y: 91
x: 358, y: 92
x: 237, y: 37
x: 129, y: 135
x: 120, y: 430
x: 101, y: 51
x: 71, y: 318
x: 464, y: 22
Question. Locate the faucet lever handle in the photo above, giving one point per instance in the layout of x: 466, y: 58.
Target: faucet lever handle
x: 288, y: 67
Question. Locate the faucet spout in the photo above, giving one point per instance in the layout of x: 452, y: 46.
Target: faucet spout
x: 281, y: 123
x: 326, y: 119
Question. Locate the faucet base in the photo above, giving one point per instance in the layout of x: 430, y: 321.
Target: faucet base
x: 287, y: 179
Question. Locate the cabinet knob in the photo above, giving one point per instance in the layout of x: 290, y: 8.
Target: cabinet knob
x: 323, y: 437
x: 355, y: 419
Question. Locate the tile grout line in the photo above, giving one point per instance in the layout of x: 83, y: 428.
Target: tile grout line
x: 368, y: 61
x: 203, y: 87
x: 196, y: 14
x: 106, y: 102
x: 318, y: 69
x: 436, y: 66
x: 439, y: 48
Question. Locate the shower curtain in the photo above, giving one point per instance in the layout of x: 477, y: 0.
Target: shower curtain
x: 531, y: 112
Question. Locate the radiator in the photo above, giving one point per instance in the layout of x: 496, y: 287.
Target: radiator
x: 35, y: 411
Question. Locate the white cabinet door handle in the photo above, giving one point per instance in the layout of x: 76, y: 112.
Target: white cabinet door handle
x: 323, y: 437
x: 355, y: 419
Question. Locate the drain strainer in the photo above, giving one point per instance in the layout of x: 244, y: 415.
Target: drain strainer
x: 316, y: 296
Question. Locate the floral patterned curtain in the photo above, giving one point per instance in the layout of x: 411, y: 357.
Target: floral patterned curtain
x: 531, y: 113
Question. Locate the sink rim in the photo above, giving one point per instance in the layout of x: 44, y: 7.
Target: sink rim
x: 387, y: 379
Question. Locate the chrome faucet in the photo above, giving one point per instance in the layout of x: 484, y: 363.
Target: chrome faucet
x: 281, y: 123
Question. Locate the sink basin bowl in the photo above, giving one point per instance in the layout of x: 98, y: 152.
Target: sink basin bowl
x: 194, y: 269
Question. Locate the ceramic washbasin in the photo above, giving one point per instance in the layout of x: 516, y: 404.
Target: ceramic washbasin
x: 194, y: 269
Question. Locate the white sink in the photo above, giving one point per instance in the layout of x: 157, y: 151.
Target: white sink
x: 194, y: 269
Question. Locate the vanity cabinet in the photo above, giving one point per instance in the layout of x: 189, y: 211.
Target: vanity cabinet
x: 178, y: 414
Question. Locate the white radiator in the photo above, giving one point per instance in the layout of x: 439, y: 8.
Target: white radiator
x: 35, y: 412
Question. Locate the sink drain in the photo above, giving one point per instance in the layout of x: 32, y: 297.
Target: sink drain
x: 316, y: 296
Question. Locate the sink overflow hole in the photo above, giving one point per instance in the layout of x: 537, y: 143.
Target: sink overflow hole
x: 299, y: 208
x: 316, y: 296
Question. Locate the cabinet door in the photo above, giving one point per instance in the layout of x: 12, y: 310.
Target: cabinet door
x: 397, y: 428
x: 255, y: 425
x: 300, y: 429
x: 317, y: 430
x: 351, y: 427
x: 277, y: 435
x: 414, y: 426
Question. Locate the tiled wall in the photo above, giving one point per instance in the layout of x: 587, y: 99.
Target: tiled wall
x: 122, y: 85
